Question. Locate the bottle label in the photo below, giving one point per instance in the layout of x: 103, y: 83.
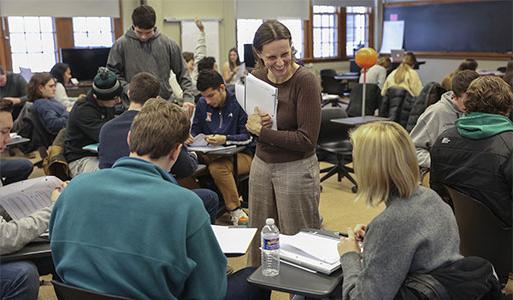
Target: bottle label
x: 271, y: 244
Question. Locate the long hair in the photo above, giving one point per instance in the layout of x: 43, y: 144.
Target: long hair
x: 384, y: 161
x: 37, y: 80
x: 270, y: 31
x: 233, y: 65
x: 405, y: 67
x: 58, y: 71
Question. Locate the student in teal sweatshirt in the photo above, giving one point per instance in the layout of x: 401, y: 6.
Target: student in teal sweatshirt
x: 132, y: 231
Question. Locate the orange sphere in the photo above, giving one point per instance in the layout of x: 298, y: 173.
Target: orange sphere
x: 366, y: 57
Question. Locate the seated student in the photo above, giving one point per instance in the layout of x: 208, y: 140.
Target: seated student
x: 113, y: 144
x: 11, y: 170
x: 440, y: 116
x: 404, y: 77
x: 13, y: 87
x: 87, y: 118
x: 156, y: 241
x: 467, y: 64
x: 62, y: 74
x: 476, y: 155
x: 219, y: 116
x: 377, y: 74
x: 20, y: 279
x: 52, y: 113
x: 405, y: 237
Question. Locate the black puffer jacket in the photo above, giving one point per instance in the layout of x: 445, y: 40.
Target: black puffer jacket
x: 430, y: 94
x: 396, y: 105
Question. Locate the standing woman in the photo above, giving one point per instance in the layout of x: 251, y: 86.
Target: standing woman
x: 415, y: 233
x: 52, y: 113
x: 284, y: 177
x: 231, y: 67
x: 62, y: 73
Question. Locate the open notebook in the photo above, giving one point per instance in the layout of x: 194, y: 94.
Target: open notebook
x: 311, y: 251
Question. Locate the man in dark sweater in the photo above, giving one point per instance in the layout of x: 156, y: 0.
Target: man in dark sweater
x: 476, y: 156
x: 13, y: 87
x: 87, y: 118
x: 113, y: 138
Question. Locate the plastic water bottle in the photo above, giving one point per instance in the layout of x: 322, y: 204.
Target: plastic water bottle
x: 270, y: 238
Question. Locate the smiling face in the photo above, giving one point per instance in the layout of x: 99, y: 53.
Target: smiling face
x: 277, y: 58
x: 48, y: 90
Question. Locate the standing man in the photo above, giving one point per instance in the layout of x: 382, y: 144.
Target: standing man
x: 144, y: 49
x: 13, y: 87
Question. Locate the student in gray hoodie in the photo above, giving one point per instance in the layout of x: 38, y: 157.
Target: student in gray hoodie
x: 144, y: 49
x: 440, y: 116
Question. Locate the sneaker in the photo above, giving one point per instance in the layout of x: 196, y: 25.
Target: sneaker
x: 235, y: 216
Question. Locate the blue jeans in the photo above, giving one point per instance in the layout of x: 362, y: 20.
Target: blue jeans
x: 14, y: 170
x: 19, y: 280
x: 210, y: 201
x: 240, y: 289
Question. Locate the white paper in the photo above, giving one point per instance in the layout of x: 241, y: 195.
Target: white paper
x: 241, y: 72
x: 317, y: 246
x: 233, y: 239
x: 209, y: 148
x: 23, y: 198
x: 240, y: 91
x: 262, y: 95
x: 199, y: 141
x: 393, y: 36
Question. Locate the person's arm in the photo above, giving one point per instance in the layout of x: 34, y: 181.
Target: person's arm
x: 52, y: 121
x: 242, y: 137
x: 89, y: 122
x: 304, y: 139
x: 179, y: 68
x: 200, y: 51
x: 379, y: 257
x: 423, y: 137
x: 382, y: 77
x: 17, y: 233
x: 185, y: 164
x: 116, y: 62
x: 196, y: 127
x: 227, y: 73
x: 208, y: 279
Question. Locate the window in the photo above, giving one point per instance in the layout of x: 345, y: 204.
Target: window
x: 325, y: 31
x: 32, y: 41
x: 357, y: 33
x: 93, y: 31
x: 295, y: 27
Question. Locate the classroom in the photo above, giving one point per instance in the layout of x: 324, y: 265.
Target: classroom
x: 256, y: 149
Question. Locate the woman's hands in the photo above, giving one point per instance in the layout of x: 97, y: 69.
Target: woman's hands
x: 350, y: 244
x: 258, y: 120
x: 57, y: 191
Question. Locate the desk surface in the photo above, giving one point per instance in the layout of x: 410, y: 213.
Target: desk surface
x: 30, y: 251
x: 355, y: 121
x: 297, y: 281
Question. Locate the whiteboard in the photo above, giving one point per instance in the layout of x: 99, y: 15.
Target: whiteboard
x: 190, y: 36
x: 393, y: 36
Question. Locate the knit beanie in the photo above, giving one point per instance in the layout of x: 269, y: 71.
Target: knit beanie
x: 106, y: 85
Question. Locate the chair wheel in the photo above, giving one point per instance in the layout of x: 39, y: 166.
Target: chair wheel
x: 354, y: 189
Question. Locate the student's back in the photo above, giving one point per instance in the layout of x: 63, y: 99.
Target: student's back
x: 138, y: 234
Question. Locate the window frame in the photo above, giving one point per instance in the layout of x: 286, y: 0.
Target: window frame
x: 63, y: 38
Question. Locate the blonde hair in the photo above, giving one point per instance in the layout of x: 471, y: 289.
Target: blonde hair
x: 405, y: 66
x: 384, y: 161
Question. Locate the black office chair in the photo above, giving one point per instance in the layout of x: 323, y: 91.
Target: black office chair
x: 372, y: 100
x: 482, y: 233
x: 68, y: 292
x: 333, y: 139
x: 332, y: 86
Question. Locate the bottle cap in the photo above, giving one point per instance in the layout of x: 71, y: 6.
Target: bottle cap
x: 269, y: 221
x: 243, y: 221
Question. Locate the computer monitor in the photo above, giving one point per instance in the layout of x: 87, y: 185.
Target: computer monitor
x: 84, y: 62
x: 249, y: 59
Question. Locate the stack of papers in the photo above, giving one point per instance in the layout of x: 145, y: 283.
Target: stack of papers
x: 258, y: 93
x: 200, y: 144
x: 23, y: 198
x: 310, y: 251
x: 234, y: 240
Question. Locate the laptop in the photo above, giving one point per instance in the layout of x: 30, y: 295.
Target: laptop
x: 397, y: 55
